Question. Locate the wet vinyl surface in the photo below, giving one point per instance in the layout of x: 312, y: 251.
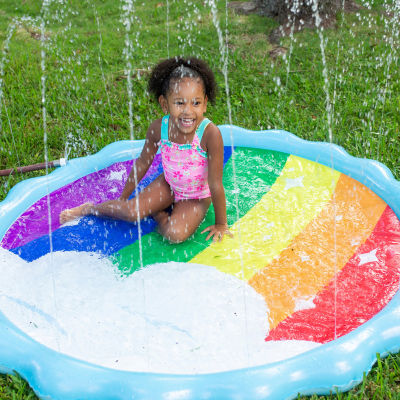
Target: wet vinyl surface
x: 318, y: 248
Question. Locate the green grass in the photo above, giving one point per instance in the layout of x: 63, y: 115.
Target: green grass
x: 86, y: 97
x: 382, y: 383
x: 13, y: 387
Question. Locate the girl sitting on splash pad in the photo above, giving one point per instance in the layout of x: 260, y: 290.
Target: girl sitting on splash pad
x: 192, y: 158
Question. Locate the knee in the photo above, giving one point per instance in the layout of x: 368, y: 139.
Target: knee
x: 176, y: 235
x: 176, y: 240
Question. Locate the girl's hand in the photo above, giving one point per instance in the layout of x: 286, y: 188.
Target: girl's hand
x: 217, y: 232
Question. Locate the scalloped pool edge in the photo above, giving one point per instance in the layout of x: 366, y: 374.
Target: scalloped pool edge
x: 336, y: 365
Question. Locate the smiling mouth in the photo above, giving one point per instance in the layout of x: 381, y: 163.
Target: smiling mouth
x: 187, y: 121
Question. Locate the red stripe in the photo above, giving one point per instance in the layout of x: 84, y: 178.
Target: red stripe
x: 361, y: 290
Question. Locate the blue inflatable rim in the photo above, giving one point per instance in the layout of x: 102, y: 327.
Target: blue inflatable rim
x: 336, y: 365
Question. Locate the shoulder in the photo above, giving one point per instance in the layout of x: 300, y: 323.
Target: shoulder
x: 154, y: 130
x: 212, y: 137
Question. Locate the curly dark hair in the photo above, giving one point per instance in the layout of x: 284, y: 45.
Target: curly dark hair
x: 178, y: 68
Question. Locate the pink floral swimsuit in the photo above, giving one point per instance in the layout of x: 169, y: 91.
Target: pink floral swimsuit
x: 185, y: 165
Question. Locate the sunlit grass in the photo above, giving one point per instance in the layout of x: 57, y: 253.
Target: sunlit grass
x: 382, y: 383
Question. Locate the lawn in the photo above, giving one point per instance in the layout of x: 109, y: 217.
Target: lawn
x: 73, y: 79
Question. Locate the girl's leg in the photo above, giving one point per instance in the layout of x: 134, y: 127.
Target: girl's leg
x: 154, y: 198
x: 185, y: 218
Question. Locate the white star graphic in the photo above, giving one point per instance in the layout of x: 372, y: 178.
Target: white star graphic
x: 368, y: 257
x: 296, y: 182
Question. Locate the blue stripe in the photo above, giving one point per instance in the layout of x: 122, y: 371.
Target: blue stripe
x: 91, y: 234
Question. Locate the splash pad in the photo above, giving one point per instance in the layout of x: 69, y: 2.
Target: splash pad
x: 317, y: 237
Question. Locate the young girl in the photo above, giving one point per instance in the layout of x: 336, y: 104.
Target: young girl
x: 192, y: 158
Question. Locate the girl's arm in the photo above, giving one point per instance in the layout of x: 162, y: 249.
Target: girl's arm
x: 143, y: 162
x: 120, y: 208
x: 215, y: 149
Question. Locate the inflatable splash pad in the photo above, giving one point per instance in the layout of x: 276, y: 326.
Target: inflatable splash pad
x: 300, y: 300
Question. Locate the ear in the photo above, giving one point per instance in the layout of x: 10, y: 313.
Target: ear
x: 205, y: 103
x: 163, y: 103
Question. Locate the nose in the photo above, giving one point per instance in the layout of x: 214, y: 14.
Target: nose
x: 187, y: 107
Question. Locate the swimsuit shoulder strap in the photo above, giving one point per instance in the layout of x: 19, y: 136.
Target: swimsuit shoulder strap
x: 164, y: 127
x: 201, y: 128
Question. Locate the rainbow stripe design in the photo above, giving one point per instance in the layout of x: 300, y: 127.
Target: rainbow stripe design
x: 320, y: 247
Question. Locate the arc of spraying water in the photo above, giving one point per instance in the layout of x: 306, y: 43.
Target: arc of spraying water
x: 223, y: 49
x: 44, y: 15
x: 10, y: 32
x: 328, y: 105
x: 128, y: 19
x: 167, y: 23
x: 128, y: 15
x: 393, y: 33
x: 100, y: 61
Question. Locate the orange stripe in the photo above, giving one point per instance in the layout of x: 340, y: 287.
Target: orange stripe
x: 323, y: 247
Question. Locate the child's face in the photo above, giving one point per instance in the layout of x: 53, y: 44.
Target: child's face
x: 186, y: 103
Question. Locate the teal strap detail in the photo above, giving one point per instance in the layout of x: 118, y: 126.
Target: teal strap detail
x: 199, y: 131
x: 201, y: 128
x: 164, y: 127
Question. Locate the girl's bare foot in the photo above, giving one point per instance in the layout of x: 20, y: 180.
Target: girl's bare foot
x: 76, y: 212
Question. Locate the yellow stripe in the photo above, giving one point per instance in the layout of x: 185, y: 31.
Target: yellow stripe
x: 296, y: 197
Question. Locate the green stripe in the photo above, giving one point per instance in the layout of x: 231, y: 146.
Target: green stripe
x: 256, y: 171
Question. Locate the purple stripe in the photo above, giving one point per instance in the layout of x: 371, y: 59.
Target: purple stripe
x: 103, y: 185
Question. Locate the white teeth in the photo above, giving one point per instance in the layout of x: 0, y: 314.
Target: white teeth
x: 186, y: 121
